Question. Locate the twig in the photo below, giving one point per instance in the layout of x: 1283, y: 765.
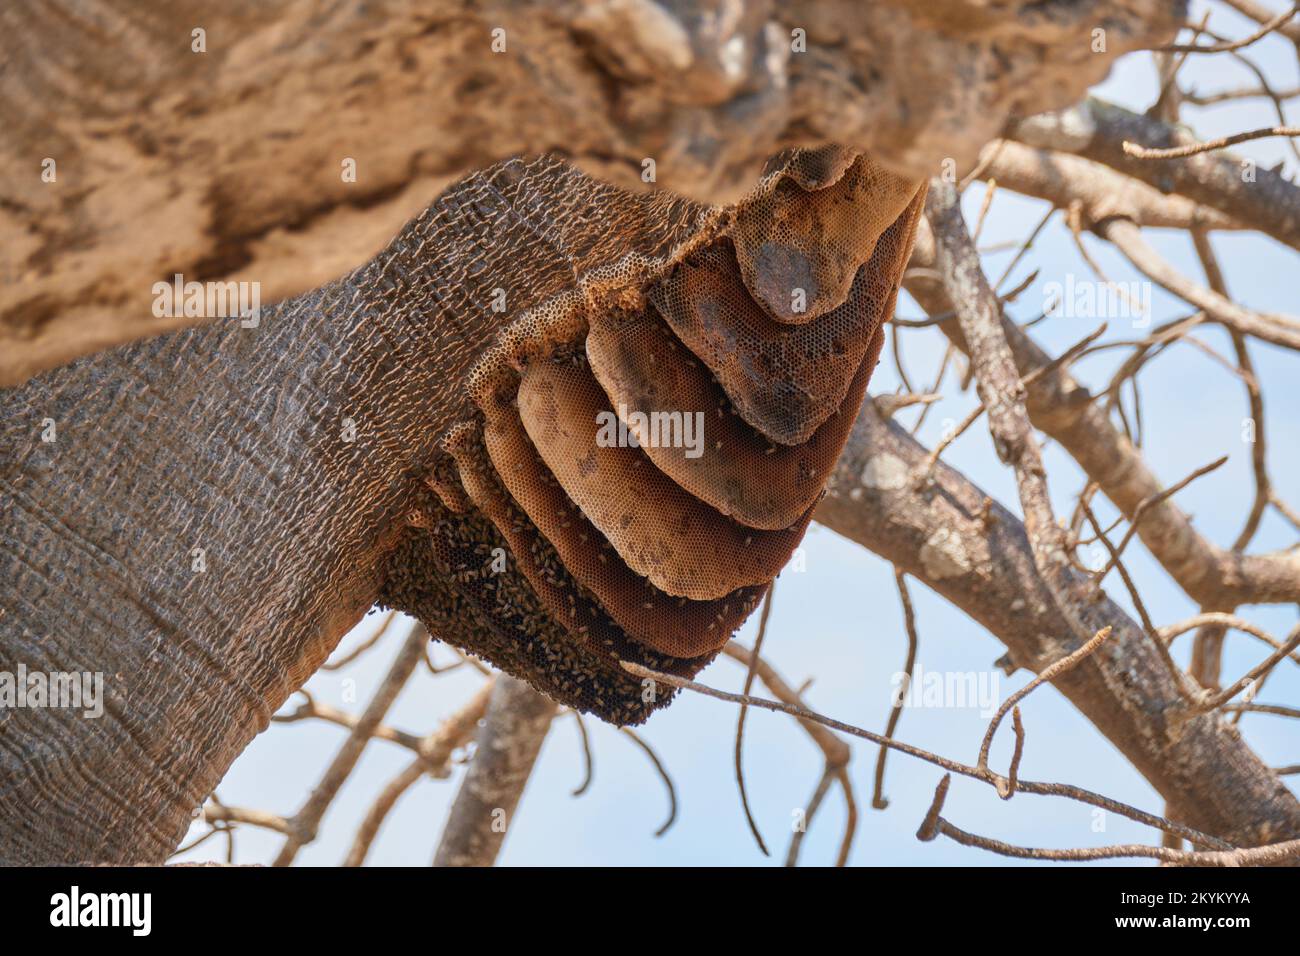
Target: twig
x: 1220, y: 619
x: 1230, y: 45
x: 435, y: 753
x: 1013, y: 772
x: 1117, y: 562
x: 934, y: 824
x: 217, y: 813
x: 835, y: 751
x: 1255, y: 399
x: 663, y: 775
x: 926, y: 473
x: 819, y: 793
x: 896, y: 708
x: 1251, y: 676
x: 740, y: 720
x: 1138, y: 151
x: 303, y: 824
x: 364, y: 646
x: 1276, y: 710
x: 311, y: 708
x: 1148, y: 503
x: 990, y: 190
x: 1049, y: 673
x: 588, y: 765
x: 889, y: 405
x: 804, y: 715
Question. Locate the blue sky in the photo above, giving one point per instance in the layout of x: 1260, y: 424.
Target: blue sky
x: 840, y: 624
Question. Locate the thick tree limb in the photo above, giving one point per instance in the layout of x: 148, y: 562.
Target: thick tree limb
x: 1063, y: 179
x: 979, y: 316
x: 1064, y: 409
x: 229, y: 163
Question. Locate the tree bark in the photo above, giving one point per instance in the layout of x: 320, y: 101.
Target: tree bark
x: 1097, y: 130
x: 505, y: 749
x: 229, y: 162
x: 208, y: 519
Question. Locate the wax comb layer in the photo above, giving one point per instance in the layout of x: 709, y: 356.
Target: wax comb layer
x: 811, y: 168
x: 784, y: 380
x: 553, y: 552
x: 663, y: 622
x: 642, y: 367
x: 800, y: 248
x: 682, y: 545
x: 447, y: 577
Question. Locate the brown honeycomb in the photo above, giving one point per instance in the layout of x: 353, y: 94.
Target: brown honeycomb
x: 738, y: 471
x: 658, y: 528
x: 794, y: 239
x: 651, y: 413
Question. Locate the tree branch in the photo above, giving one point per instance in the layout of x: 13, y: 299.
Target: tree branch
x: 505, y: 748
x: 1097, y: 130
x: 972, y: 551
x: 1065, y: 410
x: 228, y: 163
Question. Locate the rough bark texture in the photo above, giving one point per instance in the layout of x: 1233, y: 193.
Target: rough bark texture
x: 1097, y: 130
x: 201, y: 531
x: 227, y: 164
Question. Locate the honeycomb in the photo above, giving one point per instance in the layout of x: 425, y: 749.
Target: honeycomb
x: 650, y: 420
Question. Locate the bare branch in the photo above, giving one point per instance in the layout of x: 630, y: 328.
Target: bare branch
x: 835, y: 752
x: 1064, y: 665
x: 804, y: 715
x: 740, y: 720
x: 304, y: 823
x: 1268, y: 27
x: 934, y: 824
x: 896, y: 708
x: 663, y: 775
x: 1065, y: 410
x: 1097, y: 130
x: 975, y: 553
x: 435, y: 753
x: 505, y: 748
x: 1278, y: 329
